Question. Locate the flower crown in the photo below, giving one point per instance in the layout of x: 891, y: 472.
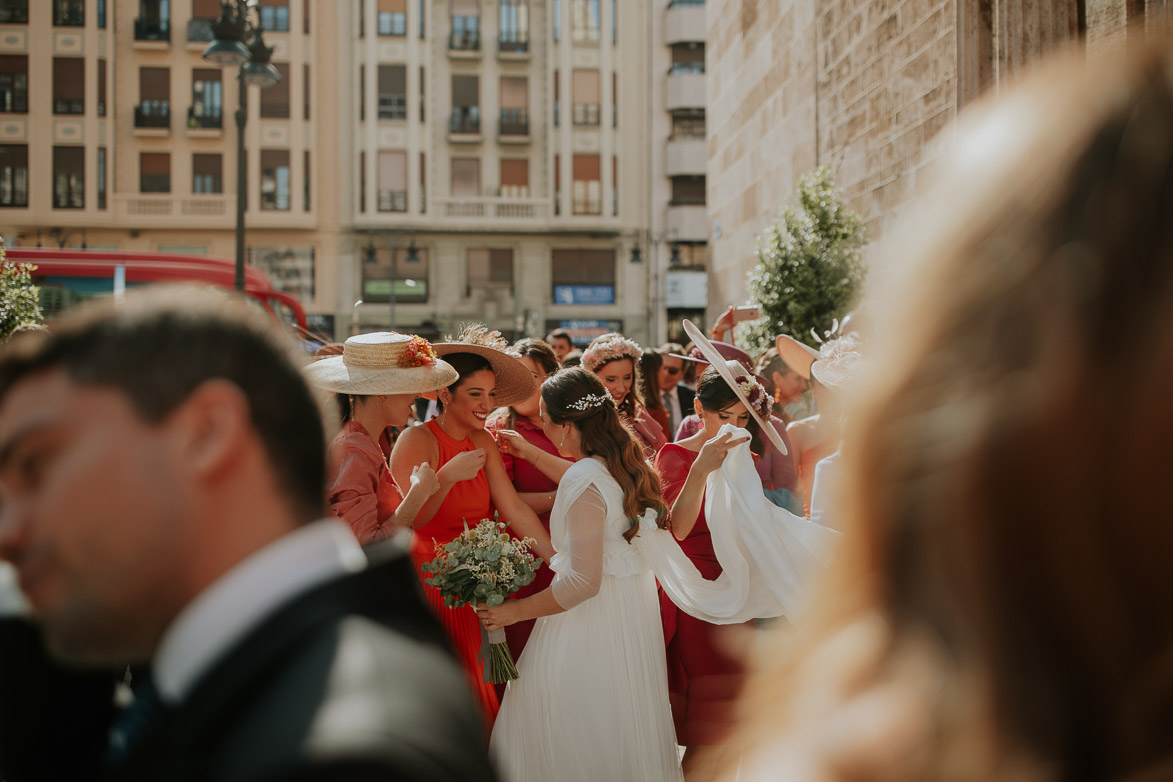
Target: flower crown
x: 611, y: 349
x: 755, y: 392
x: 589, y: 402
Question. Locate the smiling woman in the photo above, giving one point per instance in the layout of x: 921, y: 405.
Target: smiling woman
x: 473, y: 481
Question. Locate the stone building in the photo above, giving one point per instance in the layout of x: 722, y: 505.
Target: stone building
x: 862, y: 87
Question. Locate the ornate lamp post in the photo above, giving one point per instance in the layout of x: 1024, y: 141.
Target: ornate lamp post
x: 238, y: 42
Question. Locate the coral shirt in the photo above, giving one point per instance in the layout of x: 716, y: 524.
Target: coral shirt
x: 362, y: 492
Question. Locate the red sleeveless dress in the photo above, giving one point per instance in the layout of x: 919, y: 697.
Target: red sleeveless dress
x: 466, y: 501
x: 704, y: 681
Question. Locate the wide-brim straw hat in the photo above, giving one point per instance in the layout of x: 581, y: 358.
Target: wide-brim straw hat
x: 515, y: 383
x: 725, y: 368
x: 383, y: 362
x: 836, y: 364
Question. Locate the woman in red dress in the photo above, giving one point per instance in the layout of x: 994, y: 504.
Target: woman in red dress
x: 615, y: 361
x: 472, y: 477
x: 535, y: 488
x: 704, y: 680
x: 375, y: 379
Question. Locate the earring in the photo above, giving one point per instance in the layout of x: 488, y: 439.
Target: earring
x: 562, y: 442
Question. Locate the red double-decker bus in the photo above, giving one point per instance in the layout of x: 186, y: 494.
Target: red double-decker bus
x: 68, y: 276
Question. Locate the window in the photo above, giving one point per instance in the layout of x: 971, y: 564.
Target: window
x: 514, y: 106
x: 207, y: 175
x: 688, y: 58
x: 14, y: 83
x: 154, y: 21
x: 69, y: 79
x: 557, y: 184
x: 101, y: 177
x: 305, y: 17
x: 614, y: 22
x: 557, y: 98
x: 14, y: 175
x: 514, y: 177
x: 584, y: 21
x: 362, y: 18
x: 423, y: 182
x: 615, y: 185
x: 489, y: 268
x: 306, y: 179
x: 586, y: 96
x: 410, y: 276
x: 580, y: 268
x: 423, y: 101
x: 275, y: 15
x: 466, y: 177
x: 207, y: 99
x: 466, y: 110
x: 392, y: 17
x: 688, y: 191
x: 101, y: 14
x: 688, y: 124
x: 154, y: 109
x: 154, y: 172
x: 362, y: 181
x: 513, y: 26
x: 614, y: 99
x: 362, y: 92
x: 306, y: 89
x: 466, y: 24
x: 556, y: 16
x: 203, y: 12
x: 291, y: 269
x: 69, y: 13
x: 14, y: 11
x: 275, y: 180
x: 275, y: 99
x: 392, y: 92
x: 587, y: 192
x: 392, y: 181
x: 101, y: 88
x: 69, y: 177
x: 423, y: 16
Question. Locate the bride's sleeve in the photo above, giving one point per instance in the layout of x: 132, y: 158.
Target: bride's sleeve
x: 584, y: 532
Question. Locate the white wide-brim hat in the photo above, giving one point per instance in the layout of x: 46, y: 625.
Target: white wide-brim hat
x: 515, y: 383
x: 837, y: 363
x: 383, y: 362
x: 725, y: 368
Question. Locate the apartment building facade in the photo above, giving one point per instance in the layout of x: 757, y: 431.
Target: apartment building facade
x: 491, y: 147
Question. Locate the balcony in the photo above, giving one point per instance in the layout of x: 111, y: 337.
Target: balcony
x: 153, y: 114
x: 492, y: 210
x: 200, y: 31
x: 685, y: 90
x: 514, y: 125
x: 71, y: 14
x: 465, y: 124
x: 465, y: 41
x: 684, y: 23
x: 166, y: 210
x: 686, y: 157
x: 152, y: 30
x: 69, y: 106
x: 392, y: 106
x: 688, y: 222
x: 586, y: 114
x: 513, y: 43
x: 391, y: 200
x: 203, y: 120
x: 16, y: 14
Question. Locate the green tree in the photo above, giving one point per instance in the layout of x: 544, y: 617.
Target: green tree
x: 809, y: 268
x: 19, y: 298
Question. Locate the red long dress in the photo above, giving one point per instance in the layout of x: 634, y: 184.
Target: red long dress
x: 466, y: 501
x: 362, y: 492
x: 704, y: 681
x: 525, y: 478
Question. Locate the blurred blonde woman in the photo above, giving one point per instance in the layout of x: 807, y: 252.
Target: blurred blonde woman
x: 1000, y: 608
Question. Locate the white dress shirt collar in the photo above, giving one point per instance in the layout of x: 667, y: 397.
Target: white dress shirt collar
x: 223, y: 613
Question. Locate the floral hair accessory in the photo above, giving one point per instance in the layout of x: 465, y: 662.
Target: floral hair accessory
x: 611, y: 349
x: 589, y: 402
x: 755, y: 392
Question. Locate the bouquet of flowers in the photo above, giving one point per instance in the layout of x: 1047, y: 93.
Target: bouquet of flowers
x: 485, y: 565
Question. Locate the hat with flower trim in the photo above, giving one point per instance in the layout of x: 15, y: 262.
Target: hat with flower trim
x: 383, y: 362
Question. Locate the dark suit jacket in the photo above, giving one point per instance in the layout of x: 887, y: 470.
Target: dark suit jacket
x: 685, y: 395
x: 351, y: 681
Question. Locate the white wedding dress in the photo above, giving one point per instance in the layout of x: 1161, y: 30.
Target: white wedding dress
x: 591, y: 702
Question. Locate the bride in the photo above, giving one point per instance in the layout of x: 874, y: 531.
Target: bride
x: 592, y: 698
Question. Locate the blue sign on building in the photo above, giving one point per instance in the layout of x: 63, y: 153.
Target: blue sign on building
x: 584, y: 294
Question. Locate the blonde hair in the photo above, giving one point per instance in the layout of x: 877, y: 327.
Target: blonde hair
x: 1000, y: 605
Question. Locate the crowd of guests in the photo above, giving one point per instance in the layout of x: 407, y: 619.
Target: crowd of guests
x: 997, y: 607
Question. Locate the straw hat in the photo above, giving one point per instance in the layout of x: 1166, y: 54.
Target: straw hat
x: 515, y: 383
x: 738, y: 377
x: 382, y: 362
x: 836, y: 364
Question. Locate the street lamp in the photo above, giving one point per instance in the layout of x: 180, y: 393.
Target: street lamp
x: 238, y: 43
x: 413, y: 256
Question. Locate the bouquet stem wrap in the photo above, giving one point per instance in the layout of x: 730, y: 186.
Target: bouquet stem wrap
x: 496, y: 659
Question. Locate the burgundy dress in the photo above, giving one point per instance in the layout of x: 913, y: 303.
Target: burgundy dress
x: 704, y: 681
x: 527, y: 478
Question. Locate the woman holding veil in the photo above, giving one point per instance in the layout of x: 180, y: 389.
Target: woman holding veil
x: 592, y: 698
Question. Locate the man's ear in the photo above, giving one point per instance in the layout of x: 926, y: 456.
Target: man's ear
x: 213, y: 424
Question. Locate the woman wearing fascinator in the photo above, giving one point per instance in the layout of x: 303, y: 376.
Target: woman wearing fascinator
x: 592, y: 698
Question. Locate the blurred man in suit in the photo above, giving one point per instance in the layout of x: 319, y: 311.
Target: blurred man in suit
x: 162, y: 469
x: 677, y: 398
